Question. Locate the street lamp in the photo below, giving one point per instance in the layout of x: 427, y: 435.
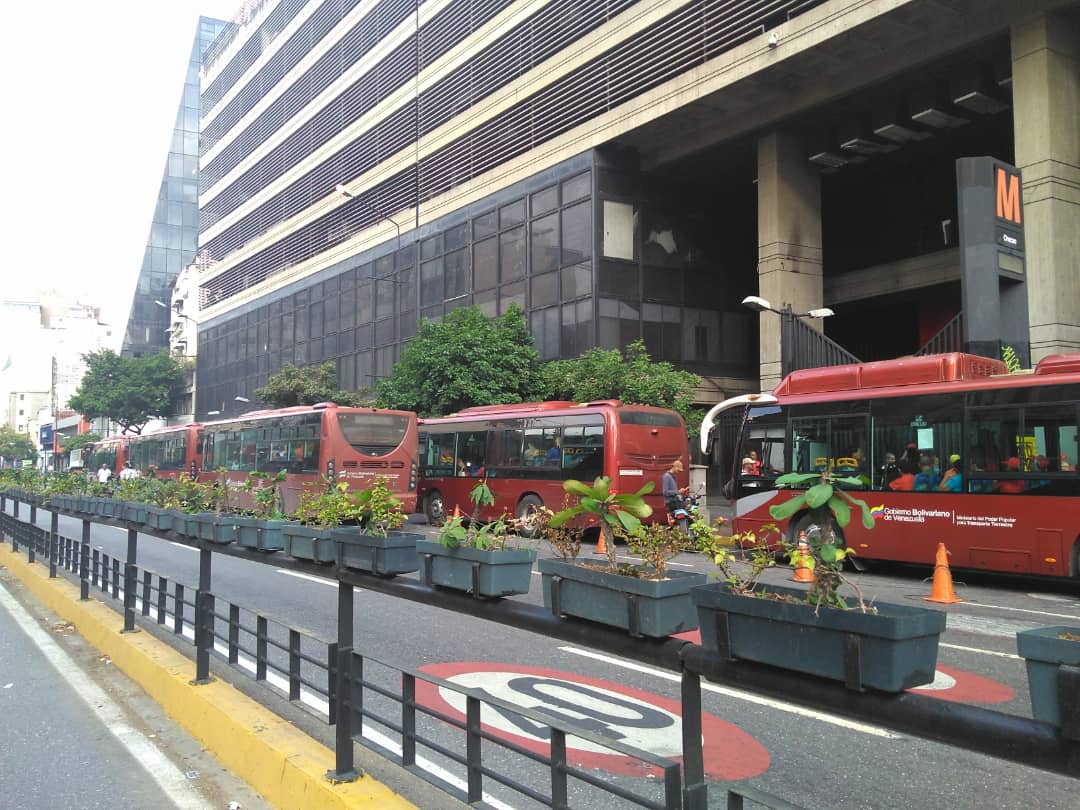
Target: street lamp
x: 759, y: 304
x: 788, y: 333
x: 344, y: 192
x: 176, y: 312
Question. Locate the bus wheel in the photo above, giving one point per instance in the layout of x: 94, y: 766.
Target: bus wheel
x: 435, y: 509
x: 1076, y: 559
x: 527, y: 507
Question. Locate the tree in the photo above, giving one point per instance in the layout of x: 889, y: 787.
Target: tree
x: 629, y: 375
x: 308, y: 385
x: 466, y: 359
x: 128, y: 390
x: 16, y: 446
x: 79, y: 441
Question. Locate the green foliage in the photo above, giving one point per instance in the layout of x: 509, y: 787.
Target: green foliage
x: 308, y: 385
x: 16, y: 446
x: 826, y: 493
x: 128, y: 390
x: 616, y: 513
x: 1011, y: 360
x: 656, y: 544
x: 266, y: 493
x: 380, y: 511
x: 628, y: 375
x: 464, y: 360
x: 476, y: 533
x: 741, y: 570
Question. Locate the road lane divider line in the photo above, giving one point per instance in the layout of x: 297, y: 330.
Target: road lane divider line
x: 159, y: 767
x: 979, y: 650
x: 312, y: 578
x: 1071, y: 616
x: 278, y: 760
x: 738, y: 694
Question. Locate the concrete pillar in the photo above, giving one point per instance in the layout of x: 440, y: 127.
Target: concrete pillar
x: 1046, y: 109
x: 789, y: 240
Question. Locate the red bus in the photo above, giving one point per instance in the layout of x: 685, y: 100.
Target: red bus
x: 526, y: 451
x: 312, y: 441
x: 170, y: 452
x: 951, y: 448
x: 111, y: 451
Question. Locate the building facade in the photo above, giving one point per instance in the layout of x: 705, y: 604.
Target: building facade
x: 621, y: 169
x: 174, y: 230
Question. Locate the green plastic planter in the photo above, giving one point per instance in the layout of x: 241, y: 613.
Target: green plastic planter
x: 898, y: 645
x: 642, y: 607
x: 107, y: 507
x: 215, y: 528
x: 133, y: 511
x: 264, y: 535
x: 1045, y: 653
x: 310, y: 543
x: 498, y: 573
x: 159, y: 519
x: 384, y: 556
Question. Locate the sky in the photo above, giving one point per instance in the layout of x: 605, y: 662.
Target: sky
x: 90, y: 96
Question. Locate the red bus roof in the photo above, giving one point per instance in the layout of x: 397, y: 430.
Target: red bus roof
x: 164, y: 430
x: 550, y: 406
x: 938, y: 373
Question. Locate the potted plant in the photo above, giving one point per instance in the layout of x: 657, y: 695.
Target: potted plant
x: 133, y: 495
x: 474, y: 557
x: 1046, y: 650
x: 262, y: 528
x: 216, y: 524
x: 373, y: 545
x: 816, y: 631
x: 163, y: 498
x: 320, y: 511
x: 190, y: 499
x: 646, y: 599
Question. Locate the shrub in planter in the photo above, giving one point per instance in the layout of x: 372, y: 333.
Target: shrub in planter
x: 373, y: 545
x: 1046, y: 650
x: 474, y: 556
x: 645, y: 599
x: 810, y: 631
x: 263, y: 528
x: 320, y: 511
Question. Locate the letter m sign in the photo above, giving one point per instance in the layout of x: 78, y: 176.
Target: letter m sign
x: 1007, y: 193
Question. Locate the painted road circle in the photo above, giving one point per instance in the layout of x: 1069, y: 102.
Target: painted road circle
x: 959, y: 686
x: 609, y: 710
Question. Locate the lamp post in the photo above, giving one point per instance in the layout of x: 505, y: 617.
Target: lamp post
x: 344, y: 192
x: 223, y: 403
x: 787, y: 326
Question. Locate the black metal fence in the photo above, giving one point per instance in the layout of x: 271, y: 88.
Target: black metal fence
x: 803, y: 346
x: 343, y: 685
x: 950, y: 338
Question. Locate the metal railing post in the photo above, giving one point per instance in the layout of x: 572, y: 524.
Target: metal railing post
x: 559, y: 796
x: 84, y: 562
x: 344, y: 767
x: 204, y: 620
x: 15, y: 527
x: 30, y: 534
x: 472, y: 750
x: 695, y: 790
x: 130, y: 581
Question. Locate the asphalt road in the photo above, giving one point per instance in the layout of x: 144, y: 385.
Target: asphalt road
x: 815, y: 761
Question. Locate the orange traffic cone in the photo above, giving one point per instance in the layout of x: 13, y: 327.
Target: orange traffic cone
x: 942, y: 588
x: 803, y: 572
x: 601, y: 546
x: 457, y: 512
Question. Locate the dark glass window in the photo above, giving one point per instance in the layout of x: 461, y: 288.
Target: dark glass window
x: 485, y: 225
x: 619, y: 322
x: 511, y: 294
x: 384, y: 298
x: 544, y: 325
x: 544, y: 201
x: 486, y: 302
x: 576, y: 328
x: 431, y: 282
x: 512, y: 254
x: 576, y: 281
x: 512, y: 214
x: 347, y: 307
x: 406, y: 290
x: 618, y: 278
x: 577, y: 233
x: 300, y: 323
x: 363, y: 303
x: 384, y: 332
x: 544, y: 290
x: 577, y: 187
x: 457, y: 272
x: 545, y: 243
x: 431, y: 247
x: 457, y: 237
x: 486, y: 264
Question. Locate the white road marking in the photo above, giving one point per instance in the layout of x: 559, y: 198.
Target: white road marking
x: 780, y: 705
x: 979, y: 650
x: 1002, y: 628
x: 638, y: 561
x: 1072, y: 616
x: 169, y: 778
x: 312, y: 578
x: 181, y: 545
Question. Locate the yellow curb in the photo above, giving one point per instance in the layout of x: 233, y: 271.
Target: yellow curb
x: 278, y: 760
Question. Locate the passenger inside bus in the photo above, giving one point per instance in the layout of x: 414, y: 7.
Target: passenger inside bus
x: 889, y: 471
x: 554, y: 454
x: 929, y: 475
x: 952, y: 480
x: 1014, y: 486
x: 905, y: 482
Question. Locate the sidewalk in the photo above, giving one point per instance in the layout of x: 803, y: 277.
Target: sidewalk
x: 56, y: 712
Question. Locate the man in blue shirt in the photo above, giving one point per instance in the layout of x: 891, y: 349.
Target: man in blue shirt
x: 669, y: 487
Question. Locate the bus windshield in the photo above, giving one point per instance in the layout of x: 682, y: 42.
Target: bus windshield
x: 373, y: 434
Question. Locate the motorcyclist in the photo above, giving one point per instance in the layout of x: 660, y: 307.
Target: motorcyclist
x: 669, y: 487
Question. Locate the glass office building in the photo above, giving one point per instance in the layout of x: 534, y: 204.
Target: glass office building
x: 174, y: 231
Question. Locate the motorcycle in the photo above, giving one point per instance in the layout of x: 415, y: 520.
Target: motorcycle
x: 685, y: 514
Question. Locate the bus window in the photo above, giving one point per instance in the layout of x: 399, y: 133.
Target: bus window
x: 508, y: 449
x: 438, y: 459
x: 914, y: 438
x: 471, y: 453
x: 583, y: 451
x: 810, y: 445
x: 373, y: 434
